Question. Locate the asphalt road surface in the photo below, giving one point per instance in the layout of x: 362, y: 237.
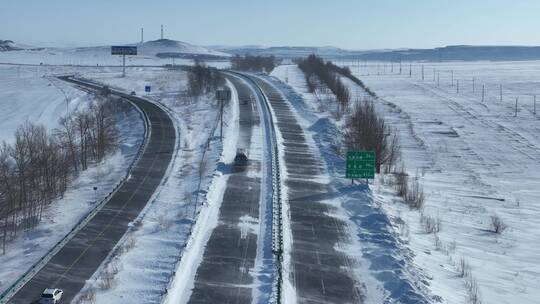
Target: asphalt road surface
x: 225, y: 274
x: 321, y: 274
x: 77, y: 261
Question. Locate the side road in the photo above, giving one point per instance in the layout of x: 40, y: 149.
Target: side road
x: 74, y: 263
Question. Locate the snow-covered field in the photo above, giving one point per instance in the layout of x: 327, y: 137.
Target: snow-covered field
x: 146, y: 258
x: 475, y: 160
x: 27, y: 96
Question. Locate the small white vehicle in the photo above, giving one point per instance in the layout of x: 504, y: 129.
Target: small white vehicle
x: 51, y: 296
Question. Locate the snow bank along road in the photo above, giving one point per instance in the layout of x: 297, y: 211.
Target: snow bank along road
x: 83, y: 254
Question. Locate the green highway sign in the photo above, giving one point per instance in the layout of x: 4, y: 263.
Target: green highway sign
x: 360, y: 164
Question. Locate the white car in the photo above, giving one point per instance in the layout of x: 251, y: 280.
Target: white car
x: 51, y: 296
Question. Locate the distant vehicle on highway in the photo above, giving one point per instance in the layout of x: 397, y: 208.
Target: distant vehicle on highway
x: 241, y: 158
x: 51, y: 296
x: 133, y: 93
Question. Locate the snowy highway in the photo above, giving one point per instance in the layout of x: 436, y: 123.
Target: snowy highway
x: 77, y: 261
x: 225, y: 274
x: 316, y: 271
x: 238, y: 263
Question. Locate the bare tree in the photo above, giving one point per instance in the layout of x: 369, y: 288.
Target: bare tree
x: 368, y: 131
x: 497, y: 224
x: 37, y: 167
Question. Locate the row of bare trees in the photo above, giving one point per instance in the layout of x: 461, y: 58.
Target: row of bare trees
x: 203, y: 79
x: 317, y: 71
x: 253, y: 63
x: 38, y: 166
x: 346, y: 72
x: 365, y: 129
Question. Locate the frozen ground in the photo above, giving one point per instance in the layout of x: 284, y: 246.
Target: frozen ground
x: 28, y: 96
x: 146, y: 259
x: 25, y: 96
x: 476, y: 160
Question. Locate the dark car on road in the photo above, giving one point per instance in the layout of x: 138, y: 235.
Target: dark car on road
x: 241, y: 158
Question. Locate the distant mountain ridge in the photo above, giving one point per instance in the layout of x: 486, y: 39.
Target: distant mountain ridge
x: 447, y: 53
x: 454, y: 53
x: 283, y: 51
x: 168, y: 48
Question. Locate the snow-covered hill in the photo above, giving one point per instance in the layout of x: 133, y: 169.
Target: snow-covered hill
x: 173, y: 48
x: 154, y: 52
x: 162, y: 48
x: 9, y: 45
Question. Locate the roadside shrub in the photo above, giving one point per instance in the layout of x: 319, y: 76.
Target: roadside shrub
x: 473, y: 291
x: 438, y: 243
x: 315, y: 67
x: 430, y: 224
x: 463, y: 267
x: 87, y: 297
x: 497, y: 225
x: 402, y: 183
x: 415, y: 195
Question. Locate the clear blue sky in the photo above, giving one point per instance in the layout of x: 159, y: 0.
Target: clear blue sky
x: 355, y: 24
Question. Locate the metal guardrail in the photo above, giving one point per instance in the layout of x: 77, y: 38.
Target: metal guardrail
x: 37, y: 266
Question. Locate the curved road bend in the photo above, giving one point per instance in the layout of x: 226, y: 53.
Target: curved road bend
x: 320, y: 272
x: 226, y: 272
x: 77, y: 261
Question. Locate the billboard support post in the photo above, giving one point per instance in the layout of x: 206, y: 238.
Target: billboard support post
x: 124, y: 50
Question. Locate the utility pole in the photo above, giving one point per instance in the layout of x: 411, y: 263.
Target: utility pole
x: 221, y: 120
x: 391, y: 67
x: 534, y: 105
x: 124, y: 65
x: 483, y: 92
x: 95, y: 194
x: 457, y: 86
x: 438, y: 79
x: 422, y: 72
x: 410, y: 70
x: 515, y: 113
x: 142, y: 35
x: 399, y: 67
x: 473, y: 84
x: 222, y: 95
x: 452, y: 72
x: 500, y: 92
